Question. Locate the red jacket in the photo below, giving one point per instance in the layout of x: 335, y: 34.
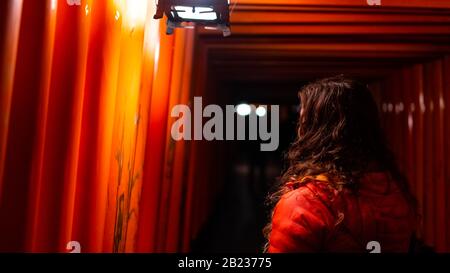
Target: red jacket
x: 317, y: 218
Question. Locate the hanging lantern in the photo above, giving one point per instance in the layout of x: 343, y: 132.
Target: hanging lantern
x: 209, y: 13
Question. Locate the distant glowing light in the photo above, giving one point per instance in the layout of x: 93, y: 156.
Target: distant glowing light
x: 390, y: 107
x: 197, y: 13
x: 261, y: 111
x: 243, y: 109
x: 399, y: 107
x: 117, y: 16
x: 87, y: 9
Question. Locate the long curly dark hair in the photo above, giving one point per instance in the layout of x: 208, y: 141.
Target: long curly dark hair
x: 338, y: 134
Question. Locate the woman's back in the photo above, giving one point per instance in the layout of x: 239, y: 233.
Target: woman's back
x: 315, y: 217
x: 340, y: 136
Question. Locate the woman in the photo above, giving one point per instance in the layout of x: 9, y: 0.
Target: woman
x: 341, y: 189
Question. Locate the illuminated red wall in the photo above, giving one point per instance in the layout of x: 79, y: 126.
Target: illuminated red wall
x: 416, y: 115
x: 86, y: 92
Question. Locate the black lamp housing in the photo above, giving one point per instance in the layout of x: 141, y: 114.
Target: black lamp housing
x: 209, y: 13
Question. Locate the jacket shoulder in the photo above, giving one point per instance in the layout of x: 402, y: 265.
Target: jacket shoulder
x: 302, y: 219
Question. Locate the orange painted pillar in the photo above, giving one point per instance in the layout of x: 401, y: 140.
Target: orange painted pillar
x: 155, y: 147
x: 11, y: 15
x: 57, y: 180
x: 19, y: 128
